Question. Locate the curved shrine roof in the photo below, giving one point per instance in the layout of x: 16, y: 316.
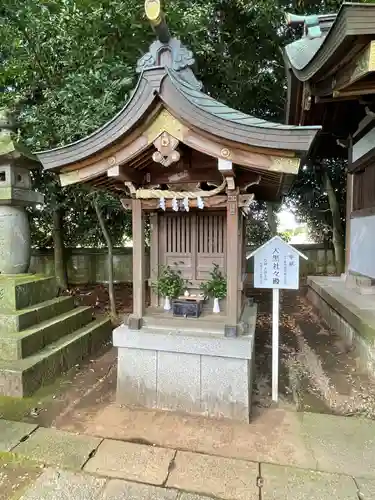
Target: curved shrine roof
x: 322, y: 44
x: 167, y: 80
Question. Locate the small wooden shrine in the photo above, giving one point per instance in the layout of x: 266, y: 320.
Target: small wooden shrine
x: 192, y: 165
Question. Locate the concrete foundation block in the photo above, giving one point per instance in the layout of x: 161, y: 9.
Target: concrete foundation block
x: 225, y: 387
x: 198, y: 374
x: 136, y: 377
x: 348, y: 313
x: 178, y: 382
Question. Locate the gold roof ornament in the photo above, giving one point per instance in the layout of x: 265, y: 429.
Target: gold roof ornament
x: 155, y: 15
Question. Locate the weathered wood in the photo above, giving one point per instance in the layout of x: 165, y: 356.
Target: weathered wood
x: 233, y: 258
x: 219, y: 201
x: 360, y: 66
x: 124, y: 174
x: 154, y: 255
x: 138, y: 260
x: 212, y: 147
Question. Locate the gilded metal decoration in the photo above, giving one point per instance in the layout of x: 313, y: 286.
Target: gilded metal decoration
x: 225, y: 153
x: 166, y: 153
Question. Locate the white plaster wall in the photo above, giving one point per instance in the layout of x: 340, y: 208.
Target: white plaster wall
x: 362, y: 245
x: 364, y: 145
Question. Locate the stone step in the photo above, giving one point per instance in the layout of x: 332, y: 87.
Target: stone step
x: 23, y: 377
x: 201, y: 324
x: 184, y: 330
x: 25, y: 290
x: 19, y: 345
x: 17, y: 321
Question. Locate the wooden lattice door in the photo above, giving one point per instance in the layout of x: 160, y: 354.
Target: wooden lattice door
x: 193, y: 241
x: 210, y: 243
x: 177, y: 242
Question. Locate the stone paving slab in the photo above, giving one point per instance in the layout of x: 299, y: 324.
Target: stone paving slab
x: 123, y: 490
x: 63, y: 485
x: 287, y: 483
x: 189, y: 496
x: 366, y: 488
x: 134, y: 462
x: 55, y: 447
x: 341, y: 444
x: 215, y: 476
x: 273, y: 436
x: 12, y: 433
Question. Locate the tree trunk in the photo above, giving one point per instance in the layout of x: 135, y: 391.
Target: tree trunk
x: 337, y: 228
x: 271, y: 217
x: 111, y: 290
x: 61, y: 272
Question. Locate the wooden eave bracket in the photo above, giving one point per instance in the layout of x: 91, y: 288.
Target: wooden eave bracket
x: 226, y: 169
x: 124, y: 175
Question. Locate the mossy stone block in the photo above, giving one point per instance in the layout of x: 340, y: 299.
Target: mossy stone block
x: 16, y: 321
x: 23, y: 377
x: 26, y: 290
x: 19, y: 345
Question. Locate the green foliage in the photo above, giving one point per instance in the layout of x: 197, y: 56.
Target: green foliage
x: 309, y: 201
x: 286, y: 235
x: 170, y: 282
x: 68, y: 67
x: 216, y: 286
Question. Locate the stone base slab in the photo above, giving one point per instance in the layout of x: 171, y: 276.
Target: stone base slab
x: 349, y: 314
x: 201, y: 374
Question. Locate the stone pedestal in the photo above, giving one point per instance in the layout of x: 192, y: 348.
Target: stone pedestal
x: 41, y: 335
x: 185, y: 371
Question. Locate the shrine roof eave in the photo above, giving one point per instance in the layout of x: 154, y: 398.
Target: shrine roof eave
x: 162, y: 86
x: 310, y: 58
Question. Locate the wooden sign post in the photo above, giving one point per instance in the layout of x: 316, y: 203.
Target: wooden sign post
x: 276, y: 266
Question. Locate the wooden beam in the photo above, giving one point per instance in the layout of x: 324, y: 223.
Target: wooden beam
x: 239, y: 156
x: 218, y: 201
x: 154, y: 255
x: 138, y: 260
x: 232, y: 258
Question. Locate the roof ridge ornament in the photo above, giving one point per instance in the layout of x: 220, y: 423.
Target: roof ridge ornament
x: 167, y: 52
x: 311, y: 24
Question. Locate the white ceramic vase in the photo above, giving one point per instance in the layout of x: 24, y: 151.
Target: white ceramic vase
x: 167, y: 304
x: 216, y: 308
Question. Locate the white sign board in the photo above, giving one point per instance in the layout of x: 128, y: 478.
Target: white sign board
x: 276, y: 265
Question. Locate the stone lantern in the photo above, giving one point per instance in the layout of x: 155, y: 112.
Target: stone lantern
x: 15, y: 195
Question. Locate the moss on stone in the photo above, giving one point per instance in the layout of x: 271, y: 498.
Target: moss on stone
x: 13, y: 459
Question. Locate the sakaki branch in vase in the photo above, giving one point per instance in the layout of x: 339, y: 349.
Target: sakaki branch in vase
x: 169, y: 285
x: 215, y: 287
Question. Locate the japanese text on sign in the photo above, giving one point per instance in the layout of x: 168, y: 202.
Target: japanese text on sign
x: 276, y: 265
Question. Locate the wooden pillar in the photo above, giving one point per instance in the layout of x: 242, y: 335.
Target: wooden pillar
x: 154, y: 255
x: 138, y: 263
x: 349, y: 210
x: 233, y: 261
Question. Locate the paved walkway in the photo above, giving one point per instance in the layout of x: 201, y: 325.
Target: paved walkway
x: 335, y: 460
